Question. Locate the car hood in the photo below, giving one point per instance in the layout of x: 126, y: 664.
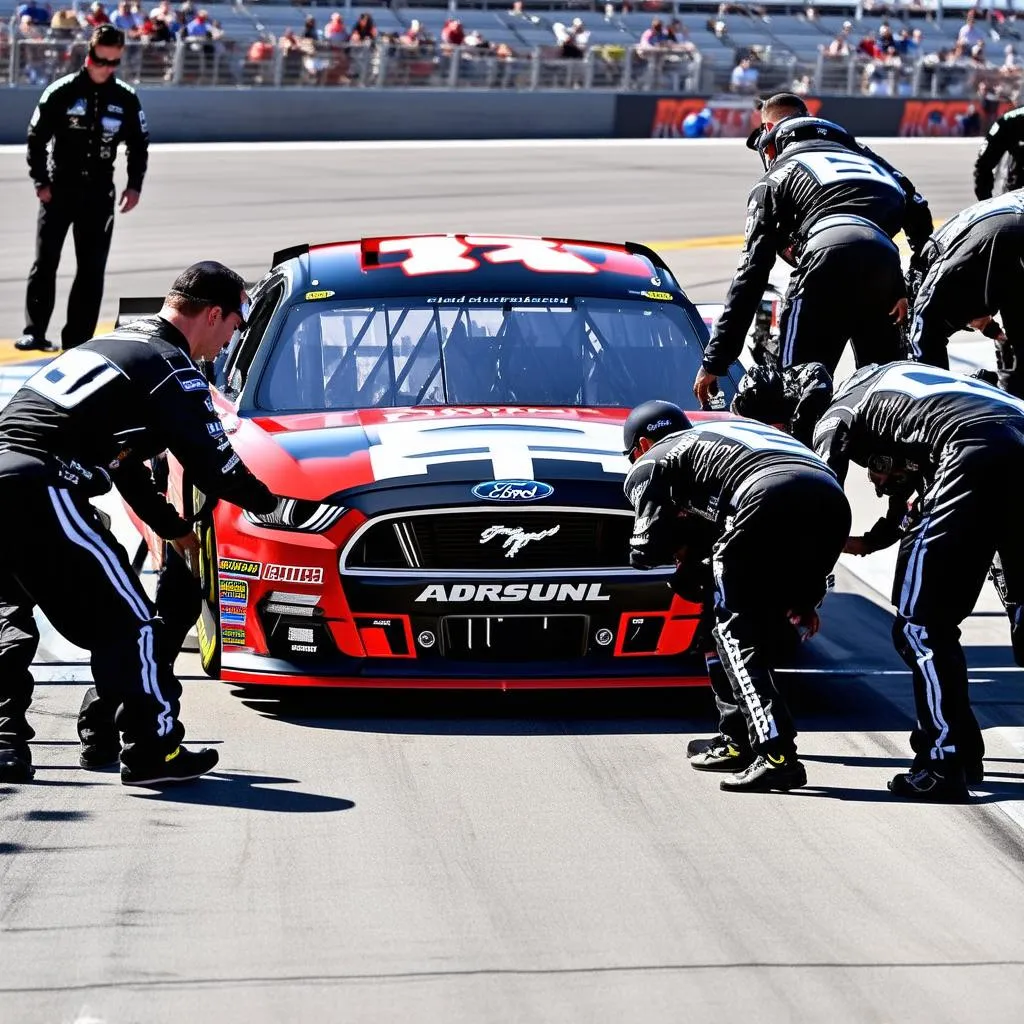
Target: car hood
x: 313, y: 455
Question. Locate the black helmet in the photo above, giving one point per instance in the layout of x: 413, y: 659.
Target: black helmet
x: 654, y: 420
x: 810, y: 387
x: 795, y: 128
x: 761, y: 395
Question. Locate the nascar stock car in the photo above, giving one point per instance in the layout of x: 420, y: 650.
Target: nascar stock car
x: 441, y: 417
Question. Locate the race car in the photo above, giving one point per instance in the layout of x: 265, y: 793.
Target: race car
x: 441, y: 418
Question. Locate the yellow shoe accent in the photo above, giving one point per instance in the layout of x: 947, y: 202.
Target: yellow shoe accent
x: 173, y: 755
x: 781, y: 759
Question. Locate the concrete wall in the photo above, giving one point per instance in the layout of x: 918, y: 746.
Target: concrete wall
x: 244, y: 115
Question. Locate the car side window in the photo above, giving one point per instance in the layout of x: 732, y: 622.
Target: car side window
x: 232, y: 376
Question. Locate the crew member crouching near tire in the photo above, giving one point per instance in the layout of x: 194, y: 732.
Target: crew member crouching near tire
x: 747, y: 496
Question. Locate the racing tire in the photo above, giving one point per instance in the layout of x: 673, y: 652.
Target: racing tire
x: 208, y: 626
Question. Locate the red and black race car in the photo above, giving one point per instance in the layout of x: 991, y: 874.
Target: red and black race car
x: 442, y: 418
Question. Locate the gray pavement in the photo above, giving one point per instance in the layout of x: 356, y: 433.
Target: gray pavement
x: 509, y: 857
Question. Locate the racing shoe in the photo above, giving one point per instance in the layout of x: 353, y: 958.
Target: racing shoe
x: 15, y: 768
x: 768, y: 772
x: 974, y: 772
x: 702, y: 746
x: 180, y: 765
x: 94, y: 757
x: 28, y: 342
x: 724, y: 757
x: 946, y: 786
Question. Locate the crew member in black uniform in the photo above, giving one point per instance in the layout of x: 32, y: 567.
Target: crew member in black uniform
x: 974, y: 269
x: 1004, y: 139
x: 126, y: 396
x: 830, y: 208
x: 772, y: 518
x: 959, y: 443
x: 86, y: 115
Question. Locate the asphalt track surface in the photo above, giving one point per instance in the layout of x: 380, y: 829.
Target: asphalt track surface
x: 506, y: 857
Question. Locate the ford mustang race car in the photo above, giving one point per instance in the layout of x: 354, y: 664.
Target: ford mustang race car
x: 441, y: 417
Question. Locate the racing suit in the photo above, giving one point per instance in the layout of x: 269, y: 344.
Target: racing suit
x: 86, y: 122
x: 764, y: 508
x: 974, y: 269
x: 1004, y: 139
x: 830, y: 211
x: 962, y: 442
x: 128, y: 395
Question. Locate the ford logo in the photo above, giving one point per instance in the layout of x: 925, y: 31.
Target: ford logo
x: 513, y: 490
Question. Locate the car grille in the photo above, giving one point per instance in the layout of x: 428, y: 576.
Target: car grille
x: 513, y: 637
x: 453, y: 540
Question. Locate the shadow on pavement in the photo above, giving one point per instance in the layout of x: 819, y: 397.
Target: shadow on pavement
x: 248, y: 792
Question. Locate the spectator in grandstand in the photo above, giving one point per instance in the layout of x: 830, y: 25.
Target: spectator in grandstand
x: 1010, y: 61
x: 97, y: 15
x: 336, y: 31
x: 572, y: 40
x: 36, y: 13
x: 65, y: 24
x: 654, y: 36
x: 452, y: 32
x: 743, y: 79
x: 165, y: 18
x: 970, y: 33
x: 199, y: 27
x: 839, y: 47
x: 365, y: 31
x: 415, y: 35
x: 127, y: 20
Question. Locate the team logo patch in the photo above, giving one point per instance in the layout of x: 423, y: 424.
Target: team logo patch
x: 239, y: 567
x: 293, y: 573
x: 78, y: 109
x: 193, y: 384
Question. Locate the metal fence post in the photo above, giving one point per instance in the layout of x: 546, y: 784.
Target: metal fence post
x: 453, y: 70
x: 535, y: 70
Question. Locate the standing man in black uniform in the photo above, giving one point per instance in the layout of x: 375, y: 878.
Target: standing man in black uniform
x: 1004, y: 138
x: 960, y: 443
x: 829, y: 207
x: 773, y: 519
x: 86, y: 115
x: 974, y: 268
x: 126, y: 396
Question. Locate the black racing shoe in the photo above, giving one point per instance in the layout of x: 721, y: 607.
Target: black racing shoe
x: 704, y: 745
x: 180, y: 765
x: 946, y: 786
x: 975, y: 772
x: 15, y: 768
x: 28, y: 342
x: 94, y: 757
x: 768, y: 772
x: 726, y: 757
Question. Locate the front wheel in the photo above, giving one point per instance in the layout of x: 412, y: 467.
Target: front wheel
x: 208, y: 626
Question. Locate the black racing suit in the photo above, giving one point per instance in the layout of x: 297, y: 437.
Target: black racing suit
x: 86, y: 123
x: 773, y: 519
x: 963, y: 440
x: 1004, y: 138
x: 831, y: 212
x: 122, y: 397
x: 974, y: 269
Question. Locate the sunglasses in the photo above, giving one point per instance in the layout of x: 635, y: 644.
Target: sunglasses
x: 105, y: 62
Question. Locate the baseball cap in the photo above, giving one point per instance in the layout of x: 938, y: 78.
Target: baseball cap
x: 212, y: 284
x: 654, y: 420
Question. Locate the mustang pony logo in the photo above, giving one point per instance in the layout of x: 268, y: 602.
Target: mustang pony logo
x: 516, y: 537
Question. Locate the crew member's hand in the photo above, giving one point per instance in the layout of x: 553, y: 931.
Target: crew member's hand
x: 44, y: 193
x: 807, y: 622
x: 188, y: 548
x: 899, y: 311
x: 857, y: 546
x: 704, y: 385
x: 129, y: 200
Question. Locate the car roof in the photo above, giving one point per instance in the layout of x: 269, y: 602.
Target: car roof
x: 478, y: 264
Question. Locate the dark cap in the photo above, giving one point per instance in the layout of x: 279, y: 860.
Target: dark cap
x: 211, y: 284
x: 654, y: 420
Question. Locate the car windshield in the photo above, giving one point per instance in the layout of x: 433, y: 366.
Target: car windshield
x: 480, y: 351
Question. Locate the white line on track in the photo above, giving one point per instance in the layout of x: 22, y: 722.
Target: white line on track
x: 15, y: 149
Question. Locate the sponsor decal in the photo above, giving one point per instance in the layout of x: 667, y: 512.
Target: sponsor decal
x: 500, y: 300
x: 111, y: 125
x: 939, y: 118
x: 510, y: 592
x: 232, y: 635
x: 730, y: 117
x: 231, y: 463
x: 231, y: 614
x: 234, y: 591
x: 77, y: 109
x: 323, y: 294
x: 660, y: 296
x: 239, y: 567
x: 516, y: 538
x: 294, y: 573
x: 512, y: 490
x: 209, y: 404
x: 215, y: 429
x: 113, y: 109
x: 193, y: 384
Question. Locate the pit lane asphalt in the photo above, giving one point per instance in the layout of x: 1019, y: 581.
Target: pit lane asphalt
x: 503, y: 857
